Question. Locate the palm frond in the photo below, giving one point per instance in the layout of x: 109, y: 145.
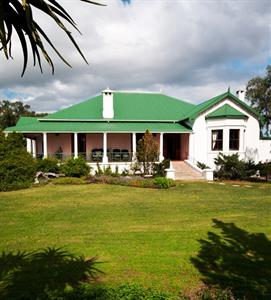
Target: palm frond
x: 18, y: 15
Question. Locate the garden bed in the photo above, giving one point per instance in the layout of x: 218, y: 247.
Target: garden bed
x: 133, y: 181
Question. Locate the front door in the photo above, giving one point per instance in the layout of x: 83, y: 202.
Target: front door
x: 172, y: 146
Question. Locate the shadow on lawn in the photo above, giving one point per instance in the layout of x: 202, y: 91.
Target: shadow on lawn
x: 236, y: 260
x: 46, y: 272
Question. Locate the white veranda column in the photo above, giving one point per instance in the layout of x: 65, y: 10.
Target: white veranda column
x: 134, y: 146
x: 75, y: 143
x: 28, y: 145
x: 161, y: 156
x: 105, y: 158
x: 45, y: 146
x: 34, y: 148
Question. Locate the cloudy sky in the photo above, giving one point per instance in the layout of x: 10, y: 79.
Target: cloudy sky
x: 191, y: 50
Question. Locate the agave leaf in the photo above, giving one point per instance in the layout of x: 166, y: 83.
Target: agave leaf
x: 18, y: 14
x: 23, y: 44
x: 55, y: 3
x: 51, y: 44
x: 2, y: 30
x: 93, y: 2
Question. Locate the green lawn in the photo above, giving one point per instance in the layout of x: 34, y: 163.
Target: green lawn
x: 141, y: 235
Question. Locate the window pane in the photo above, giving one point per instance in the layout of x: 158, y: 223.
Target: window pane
x: 234, y: 139
x: 217, y: 140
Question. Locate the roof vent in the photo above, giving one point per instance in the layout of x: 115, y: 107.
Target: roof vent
x: 108, y: 104
x: 241, y: 95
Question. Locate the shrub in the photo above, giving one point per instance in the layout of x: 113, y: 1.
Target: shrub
x: 125, y: 172
x: 163, y: 183
x: 68, y: 180
x: 107, y: 171
x: 205, y: 292
x: 123, y: 292
x: 116, y: 172
x: 230, y: 167
x: 159, y: 170
x: 99, y: 170
x: 75, y: 167
x: 202, y: 166
x: 266, y: 170
x: 17, y: 167
x: 48, y: 165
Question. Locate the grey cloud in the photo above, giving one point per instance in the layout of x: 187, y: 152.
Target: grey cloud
x: 186, y: 48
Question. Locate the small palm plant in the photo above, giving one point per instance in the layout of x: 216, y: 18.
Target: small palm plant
x: 18, y: 15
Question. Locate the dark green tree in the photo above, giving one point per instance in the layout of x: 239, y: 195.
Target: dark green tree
x: 17, y: 16
x: 147, y: 152
x: 258, y: 92
x: 17, y: 166
x: 10, y: 112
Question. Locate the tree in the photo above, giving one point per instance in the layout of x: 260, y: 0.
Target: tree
x: 147, y: 151
x: 18, y: 15
x: 258, y: 92
x: 17, y: 166
x: 10, y: 112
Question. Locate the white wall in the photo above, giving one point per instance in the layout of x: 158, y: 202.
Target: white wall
x: 250, y: 143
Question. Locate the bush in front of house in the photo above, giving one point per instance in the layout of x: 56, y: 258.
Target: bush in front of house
x: 159, y: 170
x: 48, y: 165
x: 163, y: 182
x: 202, y: 166
x: 231, y: 167
x: 134, y: 181
x: 265, y: 169
x: 75, y: 167
x: 17, y: 166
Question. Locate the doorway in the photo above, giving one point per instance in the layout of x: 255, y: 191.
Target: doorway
x: 172, y: 146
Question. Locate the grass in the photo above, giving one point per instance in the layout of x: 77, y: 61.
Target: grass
x: 142, y: 235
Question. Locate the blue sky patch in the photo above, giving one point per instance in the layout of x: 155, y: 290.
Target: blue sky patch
x: 126, y: 2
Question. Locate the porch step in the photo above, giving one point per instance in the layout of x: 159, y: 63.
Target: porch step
x: 183, y: 171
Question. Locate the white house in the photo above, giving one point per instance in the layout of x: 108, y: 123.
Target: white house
x: 106, y: 128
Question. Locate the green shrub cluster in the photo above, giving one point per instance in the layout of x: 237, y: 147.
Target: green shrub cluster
x: 135, y: 181
x: 206, y: 292
x: 48, y: 165
x: 17, y: 167
x: 123, y: 292
x: 163, y: 182
x: 159, y: 170
x: 75, y: 167
x: 107, y: 171
x: 231, y: 167
x: 202, y: 166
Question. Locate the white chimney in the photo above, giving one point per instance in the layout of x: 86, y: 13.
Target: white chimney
x: 241, y: 94
x: 108, y: 104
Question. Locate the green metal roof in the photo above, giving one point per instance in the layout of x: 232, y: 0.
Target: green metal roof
x: 202, y: 107
x: 128, y: 106
x: 132, y: 112
x: 26, y: 120
x: 58, y: 127
x: 226, y: 111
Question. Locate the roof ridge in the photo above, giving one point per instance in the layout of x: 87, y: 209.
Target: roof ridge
x: 137, y: 92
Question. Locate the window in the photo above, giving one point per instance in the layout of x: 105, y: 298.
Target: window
x: 217, y: 140
x: 234, y: 139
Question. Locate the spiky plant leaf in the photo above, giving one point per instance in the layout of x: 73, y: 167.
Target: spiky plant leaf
x: 18, y: 15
